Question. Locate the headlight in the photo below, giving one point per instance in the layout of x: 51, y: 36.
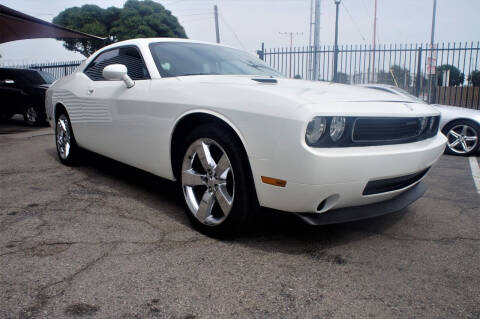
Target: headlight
x: 315, y: 129
x: 423, y: 124
x: 431, y: 124
x: 337, y: 127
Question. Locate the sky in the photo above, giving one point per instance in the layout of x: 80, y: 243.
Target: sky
x: 247, y: 23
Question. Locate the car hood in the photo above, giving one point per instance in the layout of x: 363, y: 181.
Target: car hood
x: 347, y: 99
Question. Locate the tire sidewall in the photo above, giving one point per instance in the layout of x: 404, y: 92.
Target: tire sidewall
x: 242, y: 202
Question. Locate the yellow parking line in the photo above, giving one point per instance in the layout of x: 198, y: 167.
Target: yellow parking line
x: 475, y: 172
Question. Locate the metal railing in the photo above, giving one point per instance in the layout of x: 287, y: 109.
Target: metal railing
x: 444, y: 73
x: 56, y: 69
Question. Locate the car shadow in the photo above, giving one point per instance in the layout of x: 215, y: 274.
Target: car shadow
x: 17, y: 125
x: 270, y: 230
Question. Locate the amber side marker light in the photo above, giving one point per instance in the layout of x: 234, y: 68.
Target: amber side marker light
x: 274, y: 181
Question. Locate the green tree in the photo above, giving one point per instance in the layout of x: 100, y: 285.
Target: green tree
x: 474, y: 78
x: 395, y: 76
x: 137, y: 19
x: 456, y: 77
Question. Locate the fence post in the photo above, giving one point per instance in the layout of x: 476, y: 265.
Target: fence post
x: 419, y: 74
x: 261, y: 53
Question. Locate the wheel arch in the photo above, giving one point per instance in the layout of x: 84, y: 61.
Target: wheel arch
x: 59, y: 106
x: 184, y: 124
x: 457, y: 120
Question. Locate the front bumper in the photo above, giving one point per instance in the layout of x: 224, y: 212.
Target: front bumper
x: 350, y: 214
x: 320, y: 180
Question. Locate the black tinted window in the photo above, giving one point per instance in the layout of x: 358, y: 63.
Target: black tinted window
x: 180, y: 59
x: 128, y: 56
x: 26, y: 77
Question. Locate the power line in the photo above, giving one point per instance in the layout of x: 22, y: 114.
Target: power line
x: 231, y: 30
x: 354, y: 22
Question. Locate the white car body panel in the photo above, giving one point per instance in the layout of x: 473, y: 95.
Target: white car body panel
x: 135, y: 126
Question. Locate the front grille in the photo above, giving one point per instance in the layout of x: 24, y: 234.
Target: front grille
x: 367, y: 130
x: 393, y: 184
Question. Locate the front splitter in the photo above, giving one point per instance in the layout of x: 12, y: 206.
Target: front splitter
x: 349, y: 214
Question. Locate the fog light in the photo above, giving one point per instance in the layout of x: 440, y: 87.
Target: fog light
x: 337, y: 127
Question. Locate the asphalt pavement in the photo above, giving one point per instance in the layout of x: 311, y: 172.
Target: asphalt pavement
x: 103, y: 240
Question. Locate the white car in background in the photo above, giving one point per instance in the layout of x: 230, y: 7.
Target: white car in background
x: 460, y: 125
x: 237, y: 135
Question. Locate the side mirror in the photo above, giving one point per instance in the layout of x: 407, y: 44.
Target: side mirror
x: 117, y: 72
x: 8, y: 81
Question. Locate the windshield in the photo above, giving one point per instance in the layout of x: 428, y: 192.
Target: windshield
x: 182, y: 59
x: 47, y: 77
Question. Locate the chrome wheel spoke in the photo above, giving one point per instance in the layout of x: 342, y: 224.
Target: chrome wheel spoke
x: 206, y: 206
x: 67, y: 149
x: 455, y: 134
x: 464, y: 146
x: 223, y: 167
x: 454, y: 143
x: 192, y: 178
x: 223, y: 198
x: 464, y: 130
x: 471, y: 138
x: 205, y: 157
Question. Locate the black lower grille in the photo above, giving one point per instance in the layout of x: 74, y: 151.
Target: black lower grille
x: 382, y: 129
x: 392, y: 184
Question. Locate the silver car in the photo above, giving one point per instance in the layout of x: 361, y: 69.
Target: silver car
x: 460, y: 125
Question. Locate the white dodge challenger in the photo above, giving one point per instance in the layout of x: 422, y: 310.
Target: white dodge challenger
x: 237, y: 135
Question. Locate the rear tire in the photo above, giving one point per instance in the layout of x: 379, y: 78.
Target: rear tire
x: 67, y: 148
x: 216, y: 182
x: 463, y: 137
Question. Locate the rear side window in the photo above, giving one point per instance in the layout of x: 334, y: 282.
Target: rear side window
x: 128, y: 56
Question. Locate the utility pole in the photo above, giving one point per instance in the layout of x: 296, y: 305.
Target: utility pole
x: 316, y: 40
x: 335, y: 60
x: 374, y: 39
x: 291, y: 34
x: 217, y: 29
x: 431, y: 76
x: 432, y: 40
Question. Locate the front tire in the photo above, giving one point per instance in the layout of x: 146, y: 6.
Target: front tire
x: 463, y: 138
x: 216, y: 182
x: 67, y: 149
x: 33, y: 116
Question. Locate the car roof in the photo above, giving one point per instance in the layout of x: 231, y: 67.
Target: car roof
x: 147, y: 41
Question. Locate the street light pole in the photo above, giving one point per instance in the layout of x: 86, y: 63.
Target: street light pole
x: 335, y: 60
x: 217, y: 29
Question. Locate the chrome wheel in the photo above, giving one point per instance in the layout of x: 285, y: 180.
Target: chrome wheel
x: 31, y: 114
x: 63, y: 138
x: 208, y: 181
x: 462, y: 139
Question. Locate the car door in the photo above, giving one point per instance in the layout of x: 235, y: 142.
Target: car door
x: 114, y: 115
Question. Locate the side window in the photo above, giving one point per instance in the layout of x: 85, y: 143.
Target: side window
x: 128, y: 56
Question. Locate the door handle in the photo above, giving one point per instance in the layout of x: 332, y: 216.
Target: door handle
x: 90, y: 90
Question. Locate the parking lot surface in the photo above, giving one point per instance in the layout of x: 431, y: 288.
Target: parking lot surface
x: 102, y: 240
